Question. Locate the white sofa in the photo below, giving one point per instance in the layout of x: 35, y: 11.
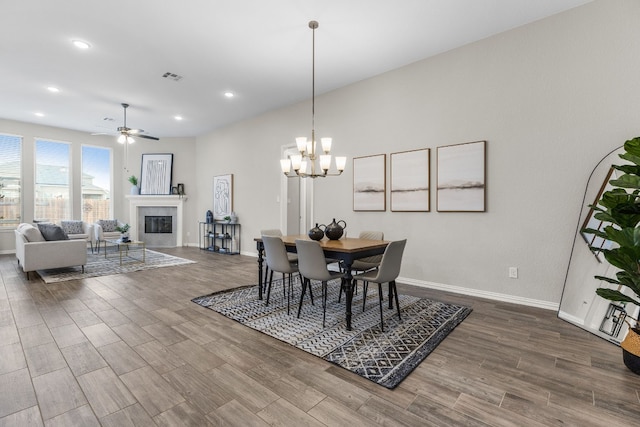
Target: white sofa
x: 110, y: 234
x: 36, y: 253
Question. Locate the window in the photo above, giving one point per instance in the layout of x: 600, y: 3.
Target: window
x: 96, y: 183
x: 52, y: 189
x: 10, y: 182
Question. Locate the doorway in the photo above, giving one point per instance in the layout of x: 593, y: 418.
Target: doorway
x: 296, y: 195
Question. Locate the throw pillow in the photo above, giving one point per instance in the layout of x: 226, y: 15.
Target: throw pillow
x: 108, y: 225
x: 52, y: 232
x: 72, y: 227
x: 32, y: 234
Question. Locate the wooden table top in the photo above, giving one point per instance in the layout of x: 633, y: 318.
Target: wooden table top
x: 347, y: 244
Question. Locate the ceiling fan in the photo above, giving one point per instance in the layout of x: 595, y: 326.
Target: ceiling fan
x: 126, y: 134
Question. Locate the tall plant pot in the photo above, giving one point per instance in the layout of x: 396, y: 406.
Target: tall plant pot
x: 631, y: 350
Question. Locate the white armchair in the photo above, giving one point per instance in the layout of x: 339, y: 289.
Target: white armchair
x: 105, y: 229
x: 79, y: 230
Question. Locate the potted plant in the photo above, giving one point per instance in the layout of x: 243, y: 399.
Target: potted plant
x: 620, y: 208
x: 124, y: 232
x: 134, y: 184
x: 227, y: 219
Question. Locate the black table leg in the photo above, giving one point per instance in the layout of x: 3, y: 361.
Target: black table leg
x: 348, y: 291
x: 260, y: 248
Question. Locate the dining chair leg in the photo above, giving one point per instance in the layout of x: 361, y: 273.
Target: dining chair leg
x: 288, y: 292
x: 324, y: 302
x: 395, y: 293
x: 304, y: 288
x: 365, y: 287
x: 269, y: 287
x: 380, y: 303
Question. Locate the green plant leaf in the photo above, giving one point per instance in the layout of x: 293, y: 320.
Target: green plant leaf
x: 627, y: 181
x: 632, y: 146
x: 608, y: 279
x: 613, y: 295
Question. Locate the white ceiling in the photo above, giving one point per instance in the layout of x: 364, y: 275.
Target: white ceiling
x: 259, y: 49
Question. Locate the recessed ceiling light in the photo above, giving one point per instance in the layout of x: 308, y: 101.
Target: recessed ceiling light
x: 81, y: 44
x: 229, y: 94
x: 39, y: 114
x: 53, y: 89
x: 178, y: 118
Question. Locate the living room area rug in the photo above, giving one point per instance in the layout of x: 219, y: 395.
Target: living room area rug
x: 385, y: 358
x: 98, y: 265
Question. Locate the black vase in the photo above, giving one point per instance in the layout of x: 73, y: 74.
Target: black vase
x: 316, y: 232
x: 334, y: 230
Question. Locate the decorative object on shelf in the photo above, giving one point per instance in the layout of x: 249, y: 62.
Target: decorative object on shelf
x: 124, y: 232
x: 222, y: 196
x: 461, y: 177
x: 134, y: 185
x: 410, y: 171
x: 156, y: 174
x: 209, y: 217
x: 369, y: 183
x: 334, y: 230
x: 234, y: 217
x: 306, y: 148
x: 174, y: 190
x: 181, y: 189
x: 316, y: 233
x: 618, y: 209
x: 227, y: 219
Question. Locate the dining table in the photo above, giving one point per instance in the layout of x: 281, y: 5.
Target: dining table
x: 347, y: 250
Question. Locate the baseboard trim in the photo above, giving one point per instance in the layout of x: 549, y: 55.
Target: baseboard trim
x: 547, y: 305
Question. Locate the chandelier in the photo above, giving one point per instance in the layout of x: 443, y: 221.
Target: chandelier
x: 307, y: 148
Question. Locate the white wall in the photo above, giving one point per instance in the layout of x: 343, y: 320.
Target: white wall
x: 183, y: 171
x: 551, y: 98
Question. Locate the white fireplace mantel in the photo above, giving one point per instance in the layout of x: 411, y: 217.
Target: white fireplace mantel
x: 136, y: 202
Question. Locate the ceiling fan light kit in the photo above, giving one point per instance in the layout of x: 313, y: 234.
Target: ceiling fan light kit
x: 307, y: 148
x: 125, y: 132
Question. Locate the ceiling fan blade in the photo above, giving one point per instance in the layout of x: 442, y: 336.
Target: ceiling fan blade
x: 147, y: 137
x: 101, y: 133
x: 135, y: 131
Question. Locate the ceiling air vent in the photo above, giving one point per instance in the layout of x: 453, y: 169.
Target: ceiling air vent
x: 172, y: 76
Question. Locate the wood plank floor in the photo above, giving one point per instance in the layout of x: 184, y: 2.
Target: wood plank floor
x: 133, y: 350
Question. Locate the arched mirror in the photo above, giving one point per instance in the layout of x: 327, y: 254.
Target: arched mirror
x: 580, y: 304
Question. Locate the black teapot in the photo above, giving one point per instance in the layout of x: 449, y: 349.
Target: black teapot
x: 334, y: 231
x: 316, y: 232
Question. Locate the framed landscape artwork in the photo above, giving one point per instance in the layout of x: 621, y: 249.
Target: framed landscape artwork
x: 155, y: 174
x: 461, y: 177
x: 369, y: 183
x: 222, y: 196
x: 410, y: 181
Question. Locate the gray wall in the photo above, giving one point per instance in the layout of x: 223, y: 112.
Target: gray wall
x: 551, y: 98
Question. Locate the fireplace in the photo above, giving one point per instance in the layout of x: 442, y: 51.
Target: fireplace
x: 154, y: 224
x: 157, y: 206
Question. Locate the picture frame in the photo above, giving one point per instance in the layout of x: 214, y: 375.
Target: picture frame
x: 174, y: 190
x: 593, y: 241
x: 155, y: 173
x: 410, y: 181
x: 181, y: 189
x: 369, y: 183
x: 461, y: 177
x: 222, y: 196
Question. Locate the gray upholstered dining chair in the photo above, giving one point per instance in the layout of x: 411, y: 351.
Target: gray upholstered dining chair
x: 387, y: 272
x: 277, y: 260
x: 367, y: 263
x: 277, y: 233
x: 313, y: 266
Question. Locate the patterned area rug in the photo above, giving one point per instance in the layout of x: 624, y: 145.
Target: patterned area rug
x: 98, y: 265
x: 385, y: 358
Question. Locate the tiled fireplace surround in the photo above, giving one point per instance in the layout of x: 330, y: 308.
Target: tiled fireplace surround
x: 168, y: 205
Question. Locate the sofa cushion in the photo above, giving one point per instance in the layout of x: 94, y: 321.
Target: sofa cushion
x: 52, y: 232
x: 31, y: 233
x: 108, y: 225
x: 72, y: 227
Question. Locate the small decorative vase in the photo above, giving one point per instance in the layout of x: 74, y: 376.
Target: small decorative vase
x: 316, y: 232
x: 334, y: 231
x: 135, y: 189
x: 234, y: 217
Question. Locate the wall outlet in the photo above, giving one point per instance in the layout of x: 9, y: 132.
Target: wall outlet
x: 513, y: 272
